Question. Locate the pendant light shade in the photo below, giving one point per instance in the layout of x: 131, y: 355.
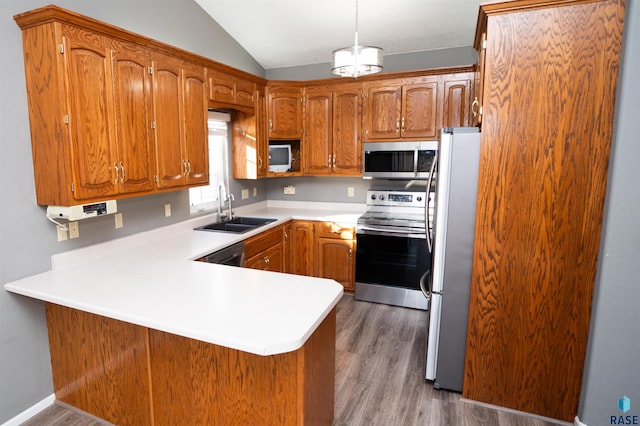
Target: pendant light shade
x: 356, y: 60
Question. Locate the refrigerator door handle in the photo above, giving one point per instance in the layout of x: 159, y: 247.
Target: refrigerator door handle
x: 426, y: 291
x: 429, y: 225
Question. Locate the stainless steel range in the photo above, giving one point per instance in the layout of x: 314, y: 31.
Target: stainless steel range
x: 393, y: 250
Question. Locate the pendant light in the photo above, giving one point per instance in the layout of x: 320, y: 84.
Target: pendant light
x: 356, y: 60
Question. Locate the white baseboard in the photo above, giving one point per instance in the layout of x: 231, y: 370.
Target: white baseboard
x: 577, y: 422
x: 31, y: 411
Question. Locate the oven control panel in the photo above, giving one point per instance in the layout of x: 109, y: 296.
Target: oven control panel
x: 395, y: 198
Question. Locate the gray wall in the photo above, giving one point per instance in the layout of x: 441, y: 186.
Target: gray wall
x: 439, y: 58
x: 612, y: 366
x: 27, y: 238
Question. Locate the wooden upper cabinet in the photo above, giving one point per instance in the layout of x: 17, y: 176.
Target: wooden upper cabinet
x: 332, y: 137
x: 226, y: 90
x: 89, y: 116
x: 457, y: 100
x: 383, y: 111
x: 133, y: 116
x: 318, y: 125
x: 397, y: 110
x: 180, y: 121
x: 109, y: 115
x: 195, y: 117
x: 167, y: 123
x: 284, y: 112
x: 249, y: 135
x: 347, y: 130
x: 419, y: 111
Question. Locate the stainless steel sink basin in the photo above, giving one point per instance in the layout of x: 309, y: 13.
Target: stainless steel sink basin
x: 236, y: 225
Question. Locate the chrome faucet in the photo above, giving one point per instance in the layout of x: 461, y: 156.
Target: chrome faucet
x: 224, y: 197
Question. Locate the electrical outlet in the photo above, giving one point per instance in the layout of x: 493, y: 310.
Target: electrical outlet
x: 351, y: 191
x: 289, y: 190
x: 118, y: 219
x: 74, y: 231
x: 244, y: 194
x: 255, y: 191
x: 167, y: 210
x: 62, y: 234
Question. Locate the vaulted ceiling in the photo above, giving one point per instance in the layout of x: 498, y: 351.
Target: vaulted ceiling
x: 284, y: 33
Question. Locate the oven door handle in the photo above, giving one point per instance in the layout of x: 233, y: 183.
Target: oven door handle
x: 386, y: 233
x: 426, y: 291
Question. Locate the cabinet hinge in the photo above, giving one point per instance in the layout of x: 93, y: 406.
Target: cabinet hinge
x: 73, y: 187
x: 150, y: 70
x: 484, y: 42
x: 66, y: 119
x: 153, y: 124
x: 61, y: 48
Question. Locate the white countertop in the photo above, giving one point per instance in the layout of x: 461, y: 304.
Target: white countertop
x: 150, y: 279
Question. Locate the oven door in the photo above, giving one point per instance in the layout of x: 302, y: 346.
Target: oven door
x: 389, y: 268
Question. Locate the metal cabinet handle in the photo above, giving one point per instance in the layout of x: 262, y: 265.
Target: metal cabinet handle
x: 115, y: 166
x: 402, y: 123
x: 122, y: 175
x: 270, y: 124
x: 398, y: 124
x: 188, y: 167
x: 474, y: 107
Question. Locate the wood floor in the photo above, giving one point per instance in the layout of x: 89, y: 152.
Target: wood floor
x: 379, y: 378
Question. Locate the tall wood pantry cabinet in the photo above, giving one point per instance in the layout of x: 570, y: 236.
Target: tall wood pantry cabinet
x: 549, y: 83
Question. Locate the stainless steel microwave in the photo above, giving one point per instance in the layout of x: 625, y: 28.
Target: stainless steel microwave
x: 399, y: 160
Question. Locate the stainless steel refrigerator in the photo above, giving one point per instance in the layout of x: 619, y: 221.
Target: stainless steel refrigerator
x: 449, y: 279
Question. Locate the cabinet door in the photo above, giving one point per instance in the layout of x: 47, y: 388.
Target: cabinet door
x: 303, y: 252
x: 245, y: 93
x: 88, y: 81
x: 285, y: 112
x: 286, y: 248
x: 221, y: 87
x: 347, y: 131
x: 335, y: 260
x: 262, y: 133
x: 133, y: 116
x: 167, y: 111
x: 270, y: 259
x: 457, y: 94
x: 194, y: 115
x: 383, y: 112
x: 318, y: 125
x: 419, y: 110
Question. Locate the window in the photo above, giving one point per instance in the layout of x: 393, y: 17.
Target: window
x: 205, y: 198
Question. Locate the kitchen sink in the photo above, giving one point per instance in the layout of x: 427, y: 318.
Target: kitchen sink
x: 236, y: 225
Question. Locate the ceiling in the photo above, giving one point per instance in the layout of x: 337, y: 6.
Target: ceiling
x: 285, y: 33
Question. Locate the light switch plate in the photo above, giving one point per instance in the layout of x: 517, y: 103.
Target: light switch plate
x: 351, y: 191
x: 167, y: 210
x: 62, y: 234
x: 245, y: 194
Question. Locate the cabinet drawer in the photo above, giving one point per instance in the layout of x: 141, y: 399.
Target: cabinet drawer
x: 335, y: 230
x: 263, y: 241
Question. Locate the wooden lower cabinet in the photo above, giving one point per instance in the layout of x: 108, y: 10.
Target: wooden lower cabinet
x: 335, y: 253
x: 302, y: 251
x: 265, y: 250
x: 111, y: 369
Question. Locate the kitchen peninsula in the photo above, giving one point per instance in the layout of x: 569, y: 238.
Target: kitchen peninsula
x: 140, y: 333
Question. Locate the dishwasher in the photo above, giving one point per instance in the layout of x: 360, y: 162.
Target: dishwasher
x: 232, y: 255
